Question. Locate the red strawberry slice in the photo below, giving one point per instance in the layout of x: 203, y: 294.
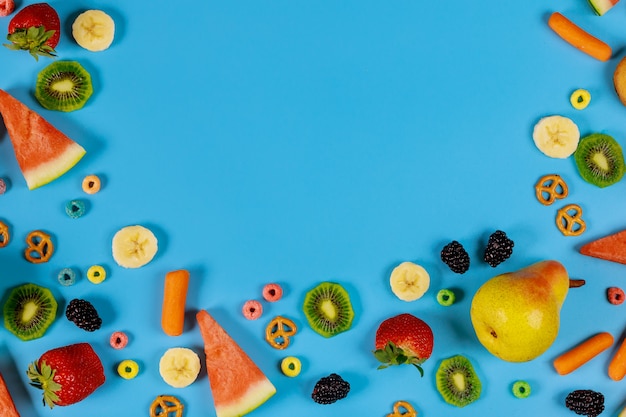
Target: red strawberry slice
x: 403, y: 339
x: 67, y: 374
x: 36, y: 28
x: 6, y: 7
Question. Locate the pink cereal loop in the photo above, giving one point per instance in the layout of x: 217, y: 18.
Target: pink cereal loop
x: 118, y: 340
x: 272, y: 292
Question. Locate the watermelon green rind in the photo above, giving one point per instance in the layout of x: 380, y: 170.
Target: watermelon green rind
x: 49, y: 171
x: 600, y: 7
x: 238, y: 386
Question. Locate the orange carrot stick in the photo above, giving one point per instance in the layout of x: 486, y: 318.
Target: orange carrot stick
x: 582, y: 353
x: 174, y: 298
x: 578, y: 37
x: 617, y: 366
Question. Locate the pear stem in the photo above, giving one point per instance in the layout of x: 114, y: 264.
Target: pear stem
x: 576, y: 283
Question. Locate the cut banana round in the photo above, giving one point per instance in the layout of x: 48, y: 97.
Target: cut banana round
x: 134, y: 246
x: 94, y: 30
x: 556, y: 136
x: 179, y: 367
x: 409, y: 281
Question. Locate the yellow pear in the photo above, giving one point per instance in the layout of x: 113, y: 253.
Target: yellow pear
x: 516, y: 315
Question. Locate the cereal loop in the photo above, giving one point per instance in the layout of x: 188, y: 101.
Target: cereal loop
x: 402, y: 409
x: 278, y: 332
x: 5, y: 237
x: 91, y: 184
x: 163, y: 405
x: 569, y: 220
x: 549, y: 188
x: 40, y: 247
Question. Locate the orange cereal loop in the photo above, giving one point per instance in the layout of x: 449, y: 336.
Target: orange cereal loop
x: 91, y: 184
x: 166, y: 406
x: 278, y: 332
x: 402, y: 409
x: 549, y: 188
x: 40, y: 247
x: 569, y: 220
x: 5, y: 236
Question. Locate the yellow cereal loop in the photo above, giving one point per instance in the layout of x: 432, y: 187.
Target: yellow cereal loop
x: 96, y: 274
x: 128, y: 369
x: 580, y: 99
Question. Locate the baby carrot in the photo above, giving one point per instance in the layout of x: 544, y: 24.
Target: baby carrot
x: 578, y: 37
x: 582, y: 353
x: 174, y: 298
x: 617, y: 366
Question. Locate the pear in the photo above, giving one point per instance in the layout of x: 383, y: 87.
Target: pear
x: 516, y: 315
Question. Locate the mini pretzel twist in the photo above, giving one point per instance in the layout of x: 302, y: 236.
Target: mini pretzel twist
x: 163, y: 405
x: 549, y: 188
x: 278, y: 332
x: 5, y: 236
x: 569, y: 220
x: 40, y: 247
x: 403, y: 409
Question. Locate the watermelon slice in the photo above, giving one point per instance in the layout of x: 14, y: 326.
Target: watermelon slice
x: 600, y: 7
x: 7, y: 407
x: 610, y: 248
x: 237, y: 384
x: 43, y: 152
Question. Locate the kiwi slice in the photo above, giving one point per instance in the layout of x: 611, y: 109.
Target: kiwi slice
x: 328, y: 309
x: 599, y: 159
x: 29, y: 311
x: 457, y: 381
x: 64, y: 86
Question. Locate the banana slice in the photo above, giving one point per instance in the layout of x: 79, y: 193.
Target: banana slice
x: 409, y: 281
x: 179, y: 367
x: 134, y: 246
x: 556, y: 136
x: 94, y: 30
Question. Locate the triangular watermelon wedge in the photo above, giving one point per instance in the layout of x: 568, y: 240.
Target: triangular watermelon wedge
x: 7, y: 407
x: 43, y: 152
x: 237, y: 384
x: 610, y: 248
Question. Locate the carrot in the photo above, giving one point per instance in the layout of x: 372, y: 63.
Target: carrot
x: 174, y: 298
x: 617, y: 366
x: 582, y: 353
x: 578, y: 37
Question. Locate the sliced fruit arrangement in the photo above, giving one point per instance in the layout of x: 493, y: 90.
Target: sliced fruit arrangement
x: 42, y: 151
x: 29, y: 310
x: 610, y: 248
x: 409, y: 281
x: 600, y: 160
x: 403, y: 339
x: 328, y: 309
x: 600, y: 7
x: 556, y: 136
x: 238, y: 386
x: 7, y: 406
x: 134, y: 246
x: 179, y: 367
x: 457, y: 381
x: 64, y: 86
x: 94, y: 30
x: 67, y: 374
x: 36, y: 29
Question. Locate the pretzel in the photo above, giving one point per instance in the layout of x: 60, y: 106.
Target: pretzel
x: 163, y: 405
x: 550, y: 188
x: 40, y: 247
x: 278, y: 331
x: 409, y: 411
x: 569, y: 220
x: 5, y: 236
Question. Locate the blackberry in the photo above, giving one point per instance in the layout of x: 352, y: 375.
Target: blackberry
x: 585, y: 402
x: 499, y: 248
x: 83, y: 314
x: 456, y: 257
x: 330, y: 389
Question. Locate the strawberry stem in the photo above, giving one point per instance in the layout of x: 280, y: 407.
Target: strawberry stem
x: 33, y: 40
x: 392, y: 354
x: 43, y: 379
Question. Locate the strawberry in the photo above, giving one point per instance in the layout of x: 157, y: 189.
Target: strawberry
x: 403, y: 339
x: 37, y: 29
x: 67, y: 374
x: 6, y: 7
x: 7, y: 407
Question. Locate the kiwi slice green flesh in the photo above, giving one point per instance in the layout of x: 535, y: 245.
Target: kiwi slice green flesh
x: 29, y: 310
x: 328, y: 309
x: 600, y: 160
x: 64, y: 86
x: 457, y: 381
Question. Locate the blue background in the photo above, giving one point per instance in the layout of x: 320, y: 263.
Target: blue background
x: 298, y: 142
